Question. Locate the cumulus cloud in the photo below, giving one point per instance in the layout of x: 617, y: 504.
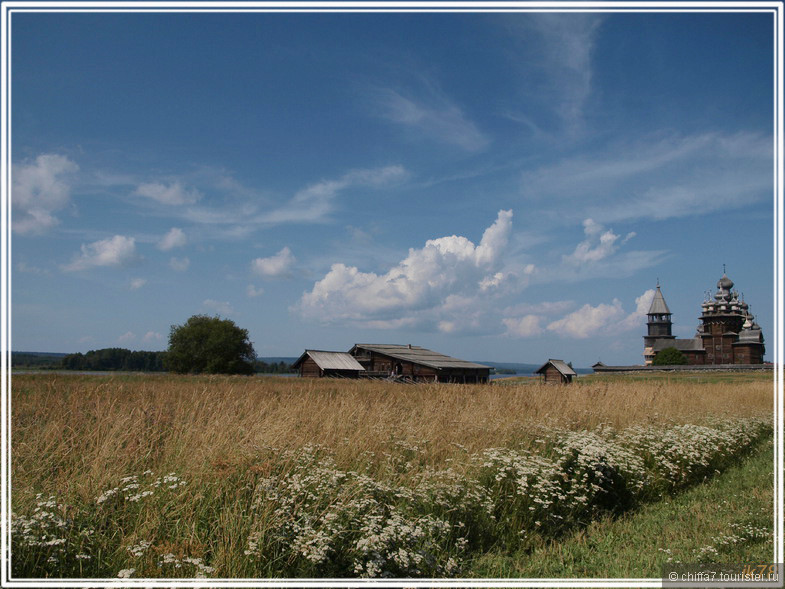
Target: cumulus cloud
x: 440, y: 276
x: 174, y: 238
x: 589, y: 320
x: 137, y: 283
x: 39, y: 189
x: 526, y: 326
x: 603, y: 319
x: 541, y: 308
x: 252, y: 291
x: 152, y: 337
x: 278, y: 265
x: 115, y: 251
x: 168, y: 194
x: 179, y: 264
x: 219, y: 307
x: 527, y: 319
x: 638, y: 317
x: 598, y: 245
x: 127, y: 337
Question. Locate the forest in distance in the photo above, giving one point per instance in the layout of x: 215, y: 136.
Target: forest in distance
x: 121, y: 359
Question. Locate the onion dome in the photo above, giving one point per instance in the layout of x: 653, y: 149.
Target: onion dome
x: 725, y: 283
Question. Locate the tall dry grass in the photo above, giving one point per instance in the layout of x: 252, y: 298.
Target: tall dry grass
x: 77, y: 437
x: 80, y: 433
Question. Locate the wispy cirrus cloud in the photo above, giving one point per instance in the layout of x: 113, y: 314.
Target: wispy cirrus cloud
x: 311, y: 204
x: 556, y: 53
x: 430, y: 114
x: 315, y: 202
x: 655, y: 178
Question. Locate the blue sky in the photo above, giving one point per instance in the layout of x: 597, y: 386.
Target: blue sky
x: 494, y: 186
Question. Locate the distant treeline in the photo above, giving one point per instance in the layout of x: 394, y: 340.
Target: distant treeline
x: 36, y: 360
x: 115, y: 359
x: 112, y: 359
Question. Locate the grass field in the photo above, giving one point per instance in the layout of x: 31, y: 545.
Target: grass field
x: 237, y: 477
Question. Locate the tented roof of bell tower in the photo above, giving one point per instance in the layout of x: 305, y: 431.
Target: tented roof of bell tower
x: 658, y: 306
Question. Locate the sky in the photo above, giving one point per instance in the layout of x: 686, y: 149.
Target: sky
x: 494, y: 186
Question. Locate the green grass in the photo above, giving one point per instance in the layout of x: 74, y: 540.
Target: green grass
x: 663, y: 377
x: 692, y: 377
x: 728, y: 513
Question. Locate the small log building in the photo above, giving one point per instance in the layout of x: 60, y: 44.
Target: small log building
x: 556, y: 372
x: 319, y: 363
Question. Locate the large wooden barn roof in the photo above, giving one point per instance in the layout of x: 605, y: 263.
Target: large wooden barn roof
x: 418, y: 355
x: 330, y: 360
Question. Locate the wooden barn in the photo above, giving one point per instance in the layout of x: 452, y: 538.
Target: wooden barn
x: 319, y: 363
x: 556, y: 372
x: 417, y: 364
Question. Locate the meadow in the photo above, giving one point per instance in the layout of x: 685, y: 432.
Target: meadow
x: 160, y: 476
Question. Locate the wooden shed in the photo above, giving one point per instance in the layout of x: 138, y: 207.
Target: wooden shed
x: 556, y: 372
x: 320, y: 363
x: 417, y: 364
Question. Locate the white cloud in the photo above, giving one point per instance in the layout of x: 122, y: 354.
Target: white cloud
x: 438, y: 278
x: 127, y: 337
x: 637, y: 318
x: 152, y: 337
x: 434, y: 116
x: 115, y: 251
x: 602, y: 319
x: 599, y: 244
x: 27, y: 269
x: 39, y: 190
x: 137, y: 283
x: 558, y: 63
x: 219, y: 307
x: 526, y: 326
x: 278, y: 265
x: 171, y: 194
x: 313, y: 203
x: 542, y: 308
x: 569, y: 44
x: 179, y: 264
x: 588, y: 320
x: 174, y: 238
x: 656, y: 178
x: 252, y: 291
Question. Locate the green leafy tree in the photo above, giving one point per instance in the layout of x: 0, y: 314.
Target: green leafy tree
x: 669, y: 357
x: 209, y: 344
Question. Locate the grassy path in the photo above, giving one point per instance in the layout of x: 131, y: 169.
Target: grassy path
x: 727, y: 519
